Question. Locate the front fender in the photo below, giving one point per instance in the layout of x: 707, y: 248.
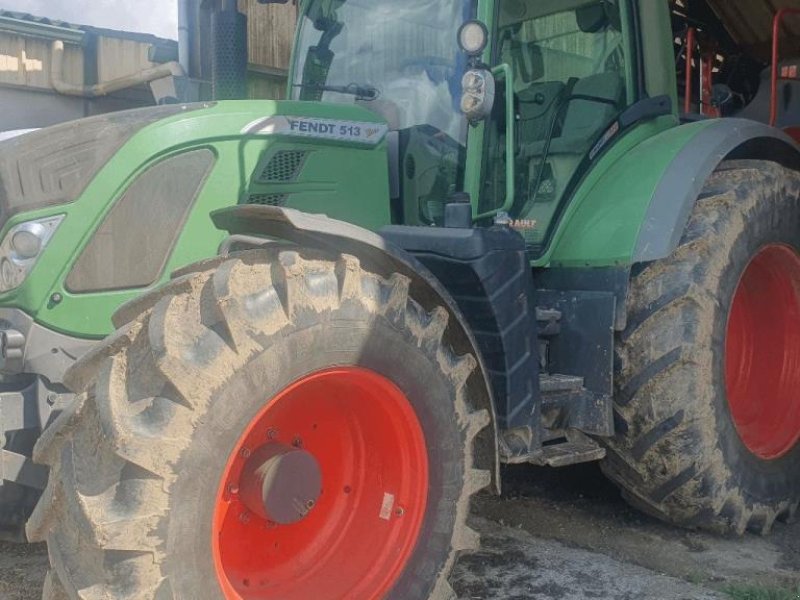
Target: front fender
x: 375, y: 253
x: 638, y: 209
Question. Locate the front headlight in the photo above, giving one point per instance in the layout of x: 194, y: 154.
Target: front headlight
x: 477, y: 99
x: 22, y: 247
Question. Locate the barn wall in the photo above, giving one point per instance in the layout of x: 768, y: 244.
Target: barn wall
x: 27, y: 96
x: 270, y: 36
x: 25, y: 61
x: 119, y: 57
x: 30, y: 109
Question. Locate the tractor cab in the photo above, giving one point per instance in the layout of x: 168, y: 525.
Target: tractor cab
x: 573, y: 74
x: 559, y: 76
x: 400, y: 61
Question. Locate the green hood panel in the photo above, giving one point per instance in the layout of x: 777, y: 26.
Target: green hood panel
x: 344, y: 178
x: 53, y: 166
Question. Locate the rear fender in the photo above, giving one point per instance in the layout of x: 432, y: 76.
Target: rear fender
x: 683, y: 180
x: 638, y: 209
x: 375, y: 253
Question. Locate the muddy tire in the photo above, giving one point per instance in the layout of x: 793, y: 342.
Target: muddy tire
x: 707, y: 423
x: 144, y: 490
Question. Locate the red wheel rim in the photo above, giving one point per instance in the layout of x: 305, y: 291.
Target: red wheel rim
x: 762, y: 353
x: 364, y: 436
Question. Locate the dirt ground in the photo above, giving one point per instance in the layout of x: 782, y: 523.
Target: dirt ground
x: 567, y: 535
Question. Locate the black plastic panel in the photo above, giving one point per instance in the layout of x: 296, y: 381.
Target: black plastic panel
x: 488, y: 274
x: 584, y: 347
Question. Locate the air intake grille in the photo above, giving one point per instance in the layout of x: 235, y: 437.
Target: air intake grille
x: 284, y: 166
x: 269, y: 199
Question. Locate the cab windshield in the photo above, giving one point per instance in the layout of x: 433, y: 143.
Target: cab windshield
x: 399, y: 59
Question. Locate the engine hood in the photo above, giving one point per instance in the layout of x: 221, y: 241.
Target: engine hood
x: 53, y: 166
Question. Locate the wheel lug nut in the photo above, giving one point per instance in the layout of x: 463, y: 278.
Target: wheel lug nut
x: 272, y: 433
x: 233, y: 489
x: 244, y: 517
x: 399, y: 511
x: 245, y: 453
x: 297, y: 443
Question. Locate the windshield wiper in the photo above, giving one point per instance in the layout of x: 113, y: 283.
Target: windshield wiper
x: 361, y: 92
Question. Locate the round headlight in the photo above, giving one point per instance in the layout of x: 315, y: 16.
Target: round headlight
x: 26, y: 244
x: 474, y: 82
x: 473, y: 37
x: 7, y: 274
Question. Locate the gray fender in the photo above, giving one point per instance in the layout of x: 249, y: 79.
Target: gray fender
x: 684, y: 179
x: 375, y: 253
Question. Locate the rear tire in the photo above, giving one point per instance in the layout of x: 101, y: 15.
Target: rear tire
x: 140, y: 461
x: 678, y: 453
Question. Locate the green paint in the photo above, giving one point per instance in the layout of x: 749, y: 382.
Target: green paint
x: 503, y: 72
x: 602, y: 223
x: 322, y: 188
x: 473, y: 180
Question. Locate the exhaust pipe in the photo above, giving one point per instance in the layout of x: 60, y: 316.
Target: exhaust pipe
x: 229, y: 53
x: 183, y: 35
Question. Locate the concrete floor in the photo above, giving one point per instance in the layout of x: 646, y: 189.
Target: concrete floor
x: 565, y: 535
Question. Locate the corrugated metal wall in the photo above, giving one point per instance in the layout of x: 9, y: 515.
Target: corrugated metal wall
x: 25, y: 61
x: 27, y: 95
x: 119, y: 57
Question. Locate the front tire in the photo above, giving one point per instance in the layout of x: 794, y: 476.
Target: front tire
x: 708, y: 370
x: 278, y: 348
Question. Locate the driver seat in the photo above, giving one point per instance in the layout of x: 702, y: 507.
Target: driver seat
x: 584, y: 119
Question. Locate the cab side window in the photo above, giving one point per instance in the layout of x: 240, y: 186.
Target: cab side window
x: 569, y: 85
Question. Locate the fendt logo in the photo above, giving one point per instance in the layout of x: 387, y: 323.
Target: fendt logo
x: 312, y: 126
x: 341, y: 131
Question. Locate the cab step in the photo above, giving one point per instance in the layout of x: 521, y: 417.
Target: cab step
x: 567, y: 404
x: 560, y: 384
x: 577, y: 448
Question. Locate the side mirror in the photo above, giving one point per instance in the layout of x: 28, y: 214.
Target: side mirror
x: 478, y: 92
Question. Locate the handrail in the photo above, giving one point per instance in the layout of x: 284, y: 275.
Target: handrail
x: 776, y: 44
x: 505, y: 71
x: 690, y: 42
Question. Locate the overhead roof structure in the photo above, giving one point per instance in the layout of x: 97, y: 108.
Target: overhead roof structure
x: 749, y: 22
x: 41, y: 25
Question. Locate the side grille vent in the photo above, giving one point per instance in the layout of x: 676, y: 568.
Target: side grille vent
x: 284, y: 166
x: 269, y: 199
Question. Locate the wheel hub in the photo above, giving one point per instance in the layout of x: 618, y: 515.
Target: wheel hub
x: 281, y: 484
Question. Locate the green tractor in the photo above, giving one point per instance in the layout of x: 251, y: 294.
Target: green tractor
x: 527, y: 256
